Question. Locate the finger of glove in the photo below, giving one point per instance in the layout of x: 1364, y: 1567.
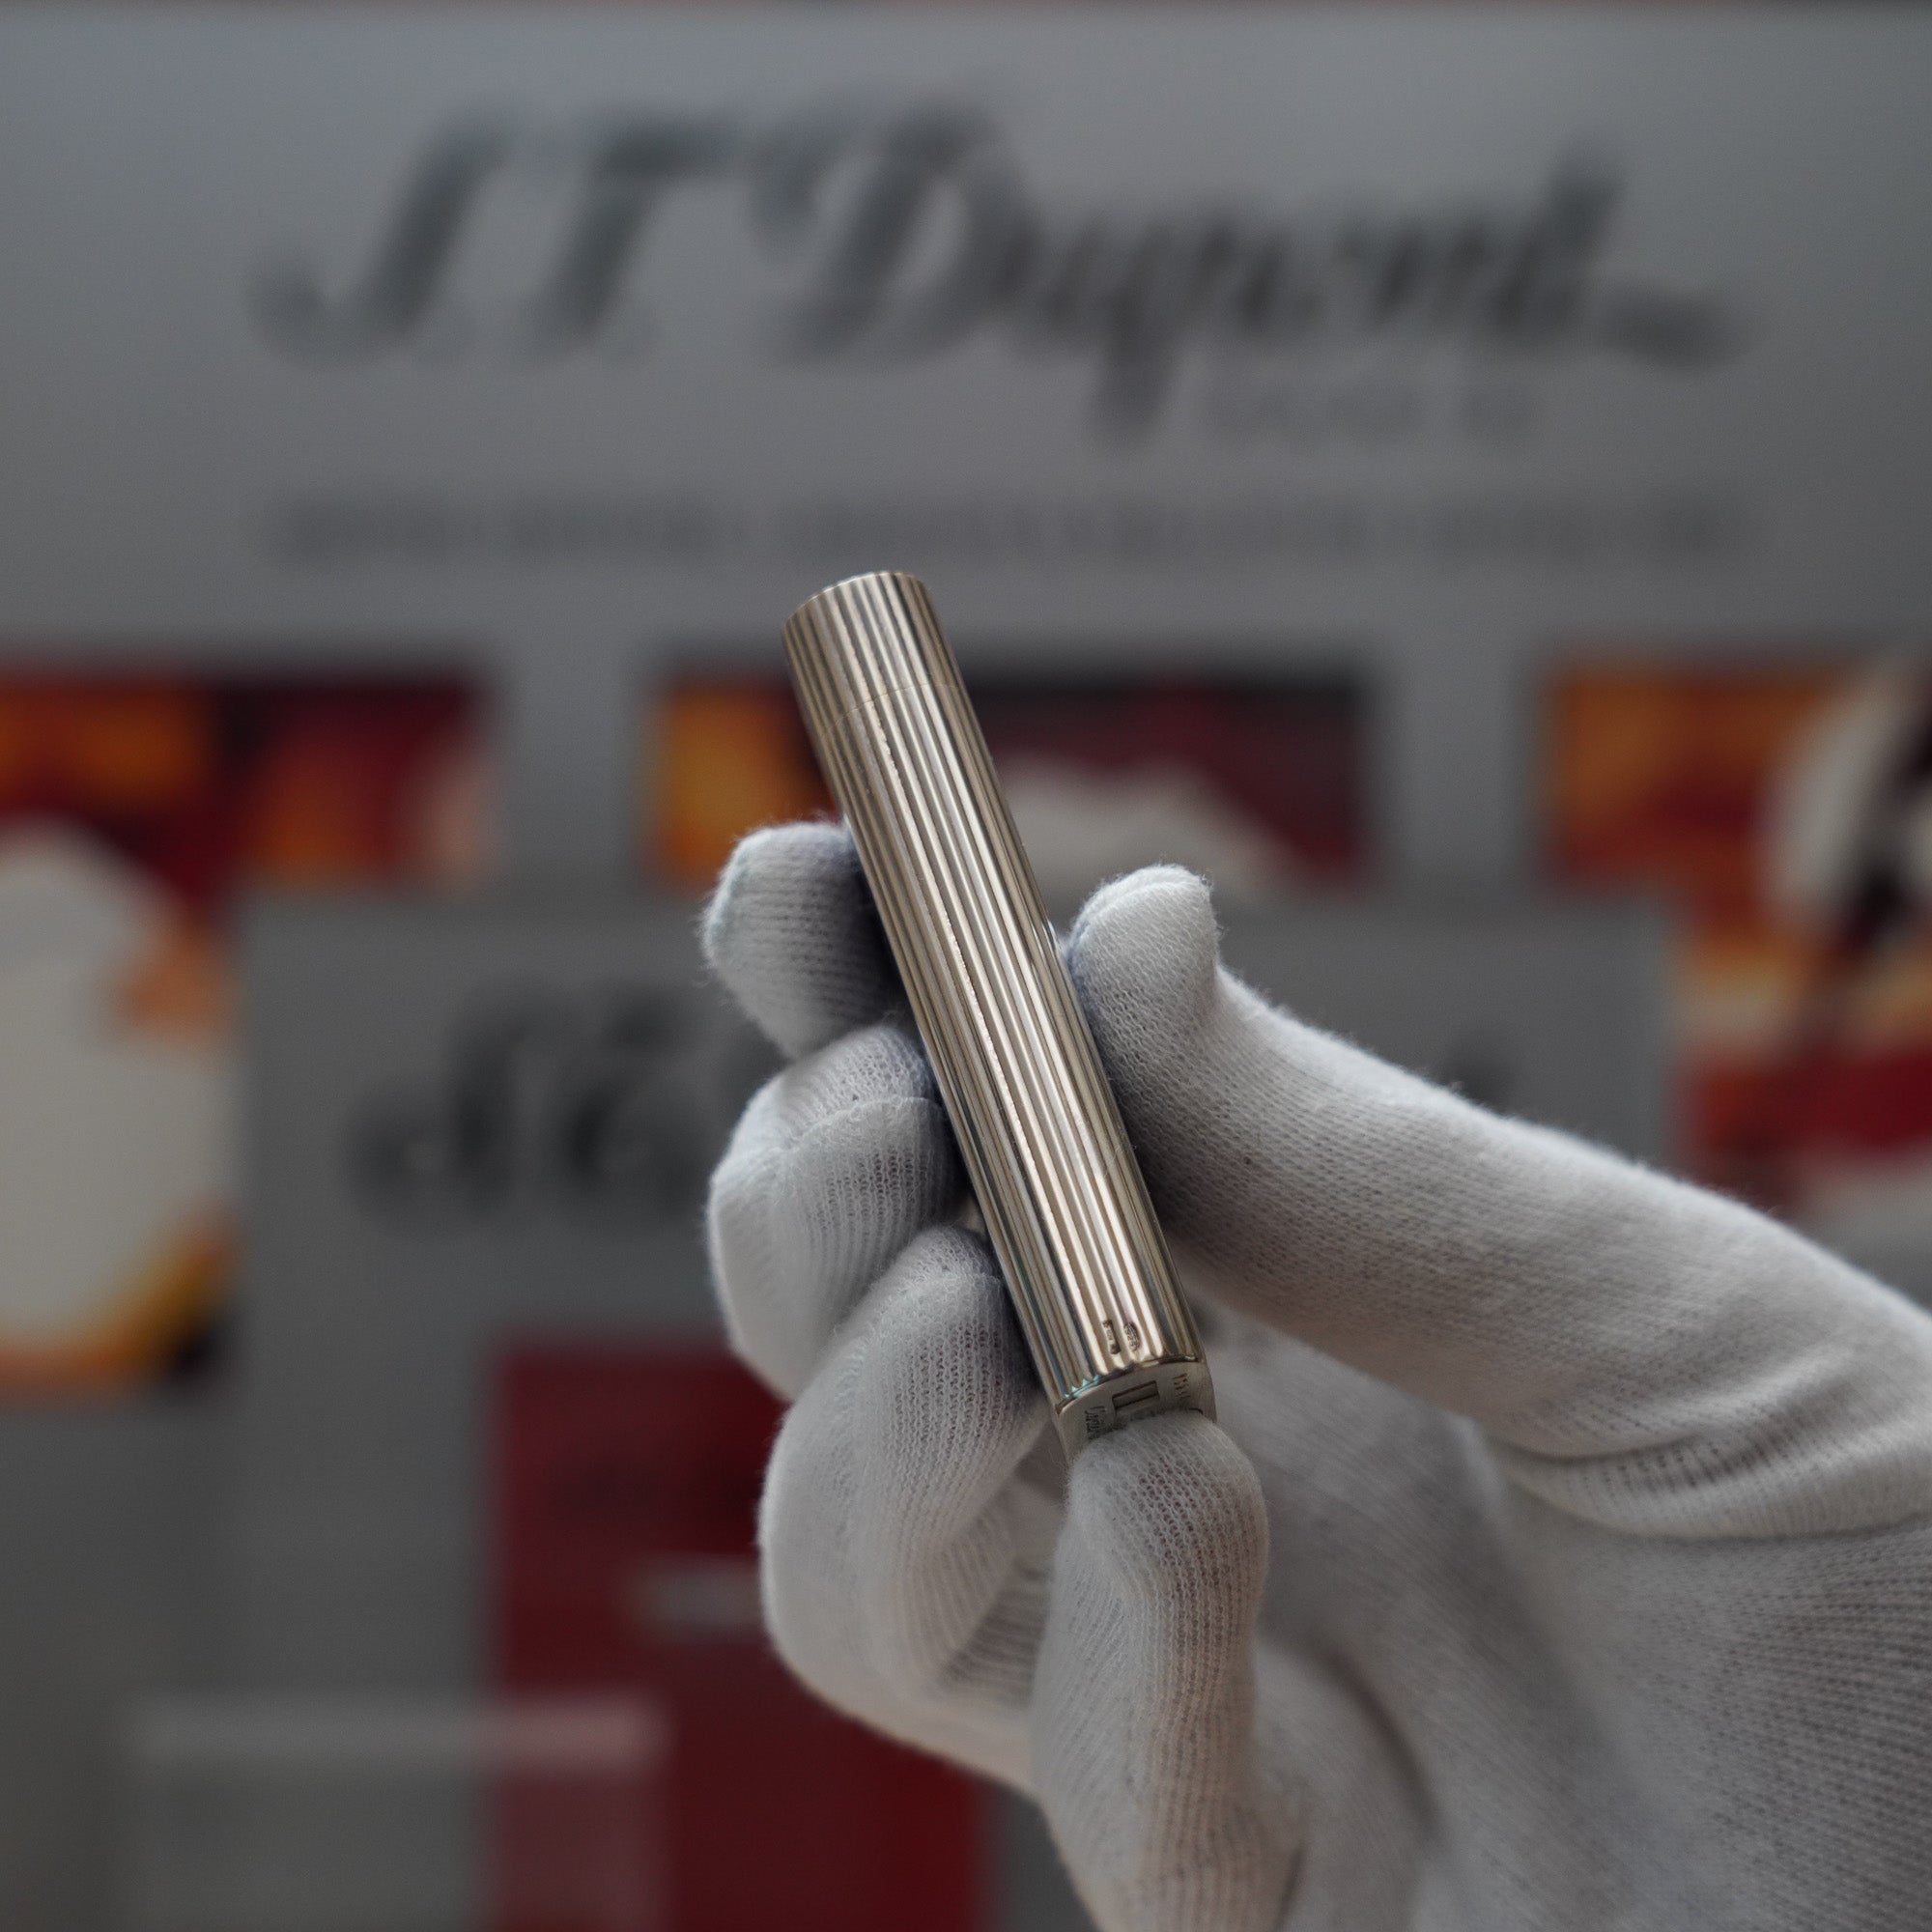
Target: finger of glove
x: 905, y: 1566
x: 791, y: 933
x: 1646, y: 1354
x: 836, y: 1165
x: 1145, y: 1756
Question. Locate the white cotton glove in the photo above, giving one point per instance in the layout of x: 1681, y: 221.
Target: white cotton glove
x: 1562, y: 1559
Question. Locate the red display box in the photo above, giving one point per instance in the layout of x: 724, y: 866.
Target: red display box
x: 626, y: 1494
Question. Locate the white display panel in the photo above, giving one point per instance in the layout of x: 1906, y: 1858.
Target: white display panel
x: 1430, y: 337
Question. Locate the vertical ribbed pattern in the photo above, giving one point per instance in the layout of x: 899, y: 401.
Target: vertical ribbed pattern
x: 1049, y: 1158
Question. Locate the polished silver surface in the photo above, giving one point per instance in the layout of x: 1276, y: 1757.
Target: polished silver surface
x: 1049, y: 1158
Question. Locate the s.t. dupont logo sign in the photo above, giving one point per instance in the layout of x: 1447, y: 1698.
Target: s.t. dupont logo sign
x: 904, y: 235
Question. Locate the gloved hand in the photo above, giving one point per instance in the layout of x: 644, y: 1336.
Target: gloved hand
x: 1562, y: 1558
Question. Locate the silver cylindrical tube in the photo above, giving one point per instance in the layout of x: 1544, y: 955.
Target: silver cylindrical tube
x: 1044, y: 1146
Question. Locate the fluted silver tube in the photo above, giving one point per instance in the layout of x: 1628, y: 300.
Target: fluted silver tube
x: 1048, y: 1156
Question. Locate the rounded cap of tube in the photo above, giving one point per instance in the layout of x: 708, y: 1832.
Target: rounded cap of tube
x: 862, y: 637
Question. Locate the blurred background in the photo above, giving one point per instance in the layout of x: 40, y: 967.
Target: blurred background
x: 1456, y: 478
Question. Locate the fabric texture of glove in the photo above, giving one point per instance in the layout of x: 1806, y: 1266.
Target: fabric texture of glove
x: 1562, y: 1558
